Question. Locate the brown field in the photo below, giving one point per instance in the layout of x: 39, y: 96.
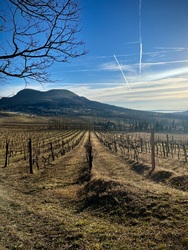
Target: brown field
x: 116, y: 205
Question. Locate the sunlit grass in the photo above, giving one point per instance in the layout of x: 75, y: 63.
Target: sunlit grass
x: 65, y: 206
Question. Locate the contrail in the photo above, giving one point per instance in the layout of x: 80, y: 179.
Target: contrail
x: 140, y: 37
x: 122, y: 71
x: 140, y: 61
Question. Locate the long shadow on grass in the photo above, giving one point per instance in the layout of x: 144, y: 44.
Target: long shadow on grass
x: 162, y: 176
x: 84, y: 174
x: 120, y: 202
x: 167, y: 177
x: 140, y: 168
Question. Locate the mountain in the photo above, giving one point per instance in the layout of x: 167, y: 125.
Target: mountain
x: 32, y: 97
x: 58, y: 102
x: 61, y: 102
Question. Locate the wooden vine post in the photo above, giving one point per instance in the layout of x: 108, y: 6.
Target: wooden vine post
x: 152, y: 152
x: 30, y: 157
x: 89, y: 154
x: 6, y: 154
x: 52, y: 152
x: 185, y: 153
x: 167, y: 145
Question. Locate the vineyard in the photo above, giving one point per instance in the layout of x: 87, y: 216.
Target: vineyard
x: 77, y: 189
x: 167, y: 149
x: 36, y: 148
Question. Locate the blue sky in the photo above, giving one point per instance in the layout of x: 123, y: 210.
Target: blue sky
x: 138, y: 55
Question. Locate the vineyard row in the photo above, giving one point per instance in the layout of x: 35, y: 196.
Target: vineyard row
x: 132, y: 146
x: 38, y: 151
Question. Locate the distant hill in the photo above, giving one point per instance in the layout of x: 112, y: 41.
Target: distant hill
x: 32, y: 97
x: 58, y: 102
x: 61, y: 102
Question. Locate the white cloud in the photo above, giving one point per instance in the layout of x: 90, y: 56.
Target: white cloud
x: 172, y: 48
x: 112, y: 66
x: 163, y: 84
x: 8, y: 90
x: 164, y: 62
x: 166, y: 74
x: 164, y: 94
x: 168, y: 94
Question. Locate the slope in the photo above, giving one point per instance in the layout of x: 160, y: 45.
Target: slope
x: 115, y: 209
x: 64, y: 102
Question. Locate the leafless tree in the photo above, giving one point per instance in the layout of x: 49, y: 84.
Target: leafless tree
x: 35, y: 34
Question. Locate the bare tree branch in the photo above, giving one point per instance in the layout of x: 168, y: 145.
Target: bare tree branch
x: 36, y: 34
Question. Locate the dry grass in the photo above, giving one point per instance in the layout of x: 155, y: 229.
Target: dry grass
x: 115, y: 206
x: 171, y: 163
x: 18, y: 118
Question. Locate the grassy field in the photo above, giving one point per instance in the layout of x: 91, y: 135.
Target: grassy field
x: 115, y: 206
